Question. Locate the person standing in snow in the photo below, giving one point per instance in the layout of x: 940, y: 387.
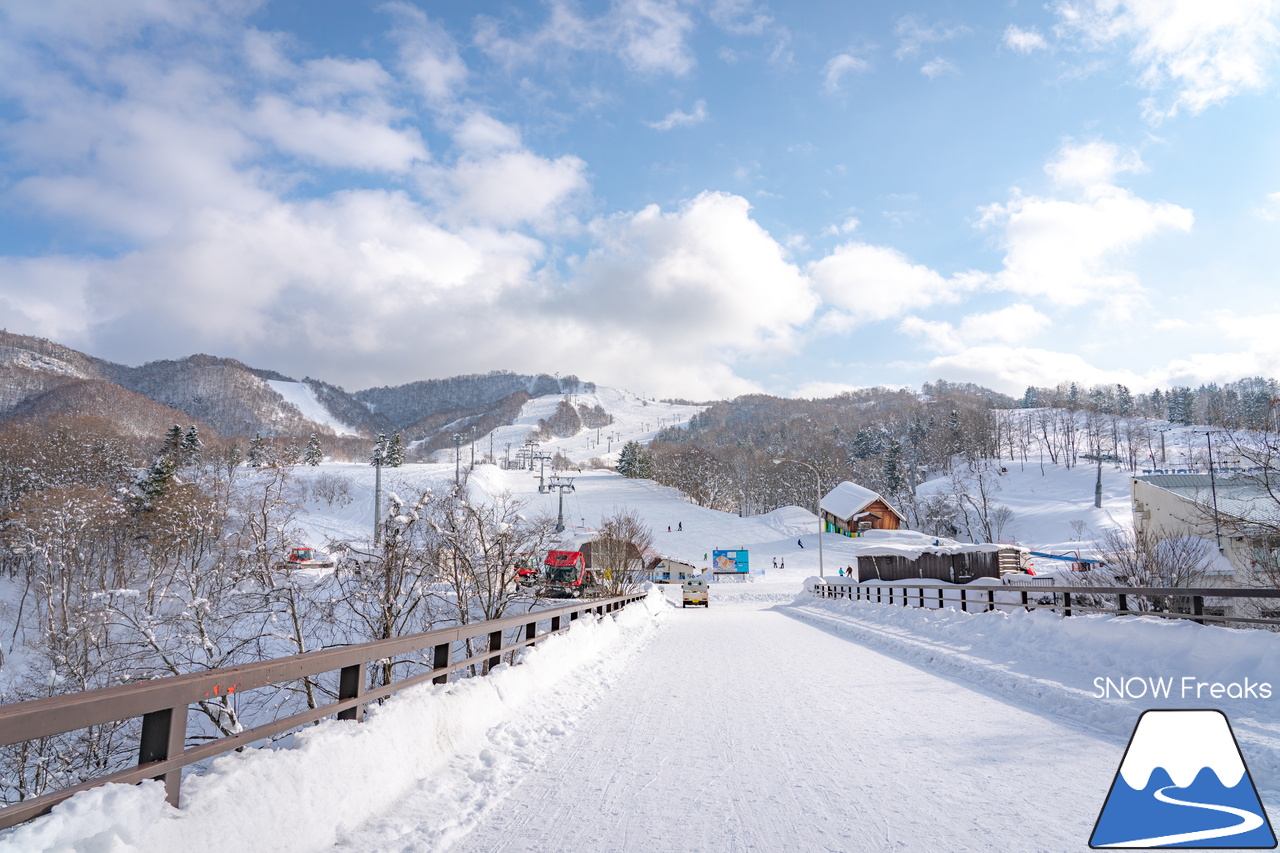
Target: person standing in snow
x: 782, y: 564
x: 842, y: 573
x: 679, y: 527
x: 775, y: 562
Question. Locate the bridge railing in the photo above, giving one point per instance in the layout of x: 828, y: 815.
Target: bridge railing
x: 163, y: 703
x: 1064, y: 599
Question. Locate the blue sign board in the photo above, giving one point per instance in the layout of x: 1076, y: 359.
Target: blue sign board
x: 730, y: 561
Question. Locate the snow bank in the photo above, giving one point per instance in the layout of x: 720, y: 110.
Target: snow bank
x: 1055, y: 666
x: 334, y: 777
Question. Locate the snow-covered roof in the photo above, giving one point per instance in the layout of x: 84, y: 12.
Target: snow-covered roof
x: 1244, y: 498
x: 848, y: 499
x: 912, y: 543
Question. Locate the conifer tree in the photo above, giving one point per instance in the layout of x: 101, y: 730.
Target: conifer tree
x: 380, y: 447
x: 257, y: 451
x: 191, y: 445
x: 313, y: 454
x: 395, y: 451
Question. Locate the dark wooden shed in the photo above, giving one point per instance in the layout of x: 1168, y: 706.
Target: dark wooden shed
x: 953, y: 568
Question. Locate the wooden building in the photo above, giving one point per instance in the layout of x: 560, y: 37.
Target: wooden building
x: 949, y: 563
x: 850, y: 509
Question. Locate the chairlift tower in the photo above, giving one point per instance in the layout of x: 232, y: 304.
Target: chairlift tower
x: 562, y: 485
x: 542, y: 458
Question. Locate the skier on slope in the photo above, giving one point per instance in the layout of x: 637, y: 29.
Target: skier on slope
x: 798, y: 542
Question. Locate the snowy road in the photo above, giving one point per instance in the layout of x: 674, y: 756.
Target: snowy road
x: 740, y: 729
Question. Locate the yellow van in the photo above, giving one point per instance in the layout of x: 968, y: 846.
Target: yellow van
x: 694, y: 592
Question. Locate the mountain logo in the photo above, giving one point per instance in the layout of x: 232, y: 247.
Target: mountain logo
x: 1183, y: 783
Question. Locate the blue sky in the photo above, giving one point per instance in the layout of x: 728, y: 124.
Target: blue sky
x: 691, y: 198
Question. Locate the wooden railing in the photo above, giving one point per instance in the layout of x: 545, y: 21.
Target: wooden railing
x: 163, y: 703
x: 1065, y: 599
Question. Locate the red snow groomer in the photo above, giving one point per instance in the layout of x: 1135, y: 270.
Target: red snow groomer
x: 303, y: 557
x: 568, y: 575
x: 525, y: 569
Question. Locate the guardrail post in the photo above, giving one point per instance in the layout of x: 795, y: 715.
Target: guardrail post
x: 495, y: 645
x: 941, y: 603
x: 1124, y: 604
x: 879, y: 595
x: 442, y: 659
x: 1197, y: 608
x: 573, y: 616
x: 164, y: 736
x: 555, y: 624
x: 964, y: 601
x: 991, y: 600
x: 921, y: 598
x: 351, y: 685
x: 531, y: 631
x: 1024, y: 601
x: 1066, y: 604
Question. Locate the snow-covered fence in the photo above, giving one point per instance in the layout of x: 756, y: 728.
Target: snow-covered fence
x: 1087, y: 599
x: 163, y: 703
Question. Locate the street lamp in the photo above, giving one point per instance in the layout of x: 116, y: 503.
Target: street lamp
x: 818, y: 478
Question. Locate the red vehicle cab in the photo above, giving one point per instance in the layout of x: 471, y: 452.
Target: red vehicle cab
x: 567, y: 574
x: 306, y: 558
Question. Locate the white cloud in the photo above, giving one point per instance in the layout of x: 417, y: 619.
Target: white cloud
x: 840, y: 65
x: 649, y: 35
x: 1205, y: 52
x: 480, y: 132
x: 913, y: 35
x: 428, y: 54
x: 1012, y: 369
x: 335, y: 138
x: 653, y: 34
x: 938, y: 66
x: 824, y: 390
x: 1010, y: 325
x: 867, y: 283
x: 679, y: 118
x: 740, y: 17
x: 704, y: 283
x: 1069, y: 250
x: 509, y: 188
x: 1024, y: 41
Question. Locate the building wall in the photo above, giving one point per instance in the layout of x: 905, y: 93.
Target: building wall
x: 1162, y: 513
x: 849, y: 527
x: 955, y: 568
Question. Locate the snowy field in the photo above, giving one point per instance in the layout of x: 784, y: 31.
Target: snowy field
x: 768, y: 721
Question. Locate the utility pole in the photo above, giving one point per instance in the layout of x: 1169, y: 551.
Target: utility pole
x: 562, y: 485
x: 457, y: 457
x: 818, y: 500
x: 473, y: 447
x: 377, y: 492
x: 1213, y: 489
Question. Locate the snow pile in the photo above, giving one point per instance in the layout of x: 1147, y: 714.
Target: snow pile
x: 1057, y: 666
x: 336, y: 776
x: 791, y: 520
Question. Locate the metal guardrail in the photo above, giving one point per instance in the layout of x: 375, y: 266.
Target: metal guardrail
x: 163, y: 703
x: 1195, y: 596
